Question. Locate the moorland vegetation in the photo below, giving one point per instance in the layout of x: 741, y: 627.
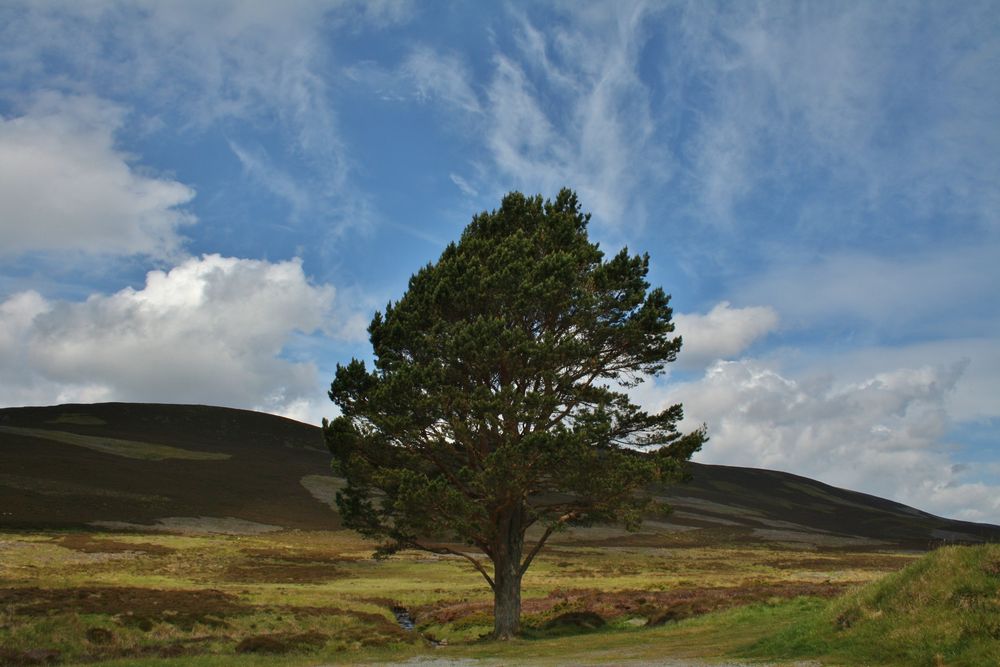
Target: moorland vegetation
x: 307, y: 598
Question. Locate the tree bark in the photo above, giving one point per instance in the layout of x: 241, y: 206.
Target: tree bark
x: 507, y: 577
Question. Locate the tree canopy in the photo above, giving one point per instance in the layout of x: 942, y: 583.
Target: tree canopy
x: 498, y: 399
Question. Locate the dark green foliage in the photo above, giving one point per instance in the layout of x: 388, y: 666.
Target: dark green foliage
x: 496, y: 402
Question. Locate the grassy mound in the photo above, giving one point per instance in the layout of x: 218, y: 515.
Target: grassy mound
x: 944, y: 609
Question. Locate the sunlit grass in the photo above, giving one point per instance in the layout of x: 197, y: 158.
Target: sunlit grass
x: 942, y: 610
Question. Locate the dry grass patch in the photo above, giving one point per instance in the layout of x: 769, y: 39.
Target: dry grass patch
x: 657, y: 607
x: 89, y: 544
x: 140, y: 607
x: 281, y: 572
x: 130, y: 449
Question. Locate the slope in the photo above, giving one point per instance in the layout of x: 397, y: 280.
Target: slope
x: 117, y: 463
x: 71, y: 465
x: 943, y: 609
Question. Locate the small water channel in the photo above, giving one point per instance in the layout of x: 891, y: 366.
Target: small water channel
x: 403, y: 617
x: 405, y: 620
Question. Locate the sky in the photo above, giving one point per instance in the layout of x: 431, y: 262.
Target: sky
x: 207, y: 201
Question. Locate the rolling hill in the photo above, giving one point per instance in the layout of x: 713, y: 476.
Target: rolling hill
x: 189, y: 467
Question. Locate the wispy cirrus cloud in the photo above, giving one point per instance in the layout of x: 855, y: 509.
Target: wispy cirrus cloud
x: 733, y: 110
x: 463, y: 185
x: 893, y: 102
x: 259, y: 166
x: 568, y: 106
x: 441, y: 76
x: 559, y: 106
x: 925, y: 295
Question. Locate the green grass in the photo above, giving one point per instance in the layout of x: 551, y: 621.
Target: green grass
x: 70, y: 489
x: 942, y: 610
x: 78, y: 419
x: 130, y: 449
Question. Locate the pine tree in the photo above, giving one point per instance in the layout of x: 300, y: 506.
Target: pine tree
x: 497, y: 400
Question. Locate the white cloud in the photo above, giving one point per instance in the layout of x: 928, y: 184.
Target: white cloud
x: 463, y: 185
x: 849, y: 313
x: 883, y: 435
x: 306, y: 410
x: 211, y: 330
x: 259, y: 166
x: 17, y: 315
x: 722, y: 333
x: 441, y: 76
x: 523, y: 140
x: 65, y: 186
x: 972, y: 398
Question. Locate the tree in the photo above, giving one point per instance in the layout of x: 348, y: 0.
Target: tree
x: 497, y: 403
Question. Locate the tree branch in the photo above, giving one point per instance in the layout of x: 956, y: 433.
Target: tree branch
x: 445, y: 550
x: 569, y: 516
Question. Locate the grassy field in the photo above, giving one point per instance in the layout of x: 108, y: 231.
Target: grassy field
x: 300, y: 597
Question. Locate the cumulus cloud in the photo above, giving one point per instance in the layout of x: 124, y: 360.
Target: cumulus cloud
x: 17, y: 315
x: 723, y: 332
x: 973, y: 398
x: 65, y: 186
x: 211, y: 330
x: 884, y: 435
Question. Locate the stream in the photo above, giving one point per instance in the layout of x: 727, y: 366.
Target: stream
x: 403, y: 617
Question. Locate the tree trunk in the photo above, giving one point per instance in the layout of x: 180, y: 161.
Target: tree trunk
x: 507, y: 578
x: 507, y: 600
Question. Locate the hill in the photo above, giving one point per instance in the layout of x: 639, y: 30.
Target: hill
x: 71, y: 465
x: 943, y: 609
x: 195, y: 467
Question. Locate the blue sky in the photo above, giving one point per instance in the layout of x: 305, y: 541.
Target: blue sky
x: 206, y: 202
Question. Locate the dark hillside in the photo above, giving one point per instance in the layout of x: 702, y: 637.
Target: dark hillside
x: 114, y: 472
x: 71, y: 465
x: 769, y: 500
